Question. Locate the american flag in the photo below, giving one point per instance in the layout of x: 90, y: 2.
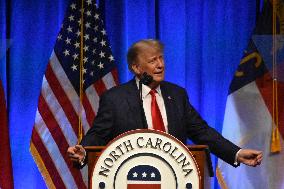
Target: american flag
x: 144, y: 177
x: 60, y: 106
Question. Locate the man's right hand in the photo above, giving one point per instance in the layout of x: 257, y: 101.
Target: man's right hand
x: 76, y: 153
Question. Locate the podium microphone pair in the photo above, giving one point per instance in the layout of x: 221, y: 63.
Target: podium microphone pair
x: 145, y: 79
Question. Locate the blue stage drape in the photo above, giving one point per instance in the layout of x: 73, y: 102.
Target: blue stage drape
x: 3, y: 43
x: 204, y: 42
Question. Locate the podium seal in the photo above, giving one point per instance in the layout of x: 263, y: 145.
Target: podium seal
x: 145, y: 159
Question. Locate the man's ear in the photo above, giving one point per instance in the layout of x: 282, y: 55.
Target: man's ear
x: 135, y: 68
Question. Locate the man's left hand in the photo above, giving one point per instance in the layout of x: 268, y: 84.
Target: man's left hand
x: 249, y: 157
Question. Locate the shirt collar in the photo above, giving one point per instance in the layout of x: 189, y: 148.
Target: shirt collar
x: 146, y: 89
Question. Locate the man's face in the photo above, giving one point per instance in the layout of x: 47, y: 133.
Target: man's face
x: 151, y: 61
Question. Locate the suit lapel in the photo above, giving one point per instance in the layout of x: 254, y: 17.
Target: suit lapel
x: 134, y: 104
x: 170, y: 107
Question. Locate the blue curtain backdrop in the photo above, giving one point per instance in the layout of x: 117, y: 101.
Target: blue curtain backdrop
x: 3, y: 43
x: 204, y: 42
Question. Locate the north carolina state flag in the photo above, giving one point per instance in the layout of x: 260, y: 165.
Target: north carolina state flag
x: 6, y: 175
x: 144, y: 177
x: 255, y: 106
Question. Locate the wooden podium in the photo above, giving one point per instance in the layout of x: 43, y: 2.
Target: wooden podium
x: 200, y: 153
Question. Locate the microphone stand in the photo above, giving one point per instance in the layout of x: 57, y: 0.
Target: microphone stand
x: 146, y: 80
x: 144, y: 121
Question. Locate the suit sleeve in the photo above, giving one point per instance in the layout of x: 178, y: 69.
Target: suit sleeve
x: 200, y: 133
x: 99, y: 134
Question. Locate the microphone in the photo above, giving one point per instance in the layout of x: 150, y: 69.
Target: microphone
x: 146, y: 79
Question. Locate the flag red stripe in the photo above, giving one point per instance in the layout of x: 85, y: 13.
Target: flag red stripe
x: 59, y: 138
x: 265, y: 87
x: 48, y: 162
x: 100, y: 87
x: 88, y: 110
x: 6, y: 176
x: 62, y: 99
x: 115, y: 76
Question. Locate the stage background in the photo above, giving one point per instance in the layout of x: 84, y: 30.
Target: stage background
x: 204, y: 44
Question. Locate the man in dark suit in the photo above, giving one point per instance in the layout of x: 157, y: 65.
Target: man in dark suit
x: 164, y: 107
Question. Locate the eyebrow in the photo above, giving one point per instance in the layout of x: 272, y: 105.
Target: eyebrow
x: 154, y: 57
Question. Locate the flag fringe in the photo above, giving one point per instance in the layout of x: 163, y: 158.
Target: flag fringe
x: 41, y: 167
x: 221, y: 179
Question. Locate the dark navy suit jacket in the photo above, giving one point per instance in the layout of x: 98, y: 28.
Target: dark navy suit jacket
x: 120, y: 111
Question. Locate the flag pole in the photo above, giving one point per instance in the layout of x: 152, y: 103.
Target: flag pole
x: 80, y: 133
x: 275, y: 146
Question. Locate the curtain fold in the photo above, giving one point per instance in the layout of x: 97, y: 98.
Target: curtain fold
x: 3, y: 42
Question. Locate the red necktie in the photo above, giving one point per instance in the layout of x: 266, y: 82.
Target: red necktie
x: 157, y: 119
